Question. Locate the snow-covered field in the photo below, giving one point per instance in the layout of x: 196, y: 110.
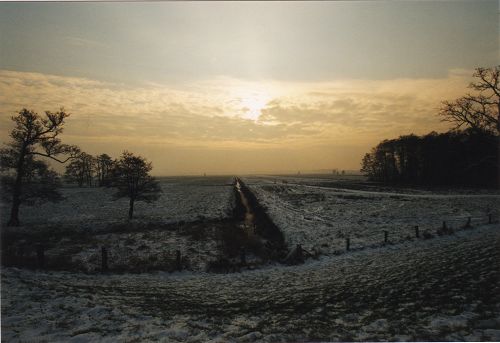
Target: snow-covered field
x: 446, y: 288
x: 321, y: 218
x: 137, y: 250
x: 149, y: 242
x: 182, y: 199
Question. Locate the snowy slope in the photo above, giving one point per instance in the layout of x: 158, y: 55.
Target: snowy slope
x: 320, y: 218
x: 447, y: 288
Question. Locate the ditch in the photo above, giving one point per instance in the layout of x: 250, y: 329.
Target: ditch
x: 246, y: 239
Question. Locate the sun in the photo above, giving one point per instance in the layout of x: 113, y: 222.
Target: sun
x: 251, y: 101
x: 252, y: 106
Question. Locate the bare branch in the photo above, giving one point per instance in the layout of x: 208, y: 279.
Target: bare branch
x: 480, y: 111
x: 52, y: 157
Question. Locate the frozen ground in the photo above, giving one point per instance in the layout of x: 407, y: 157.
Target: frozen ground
x: 131, y: 247
x: 447, y: 288
x: 140, y: 250
x: 312, y: 212
x: 182, y: 199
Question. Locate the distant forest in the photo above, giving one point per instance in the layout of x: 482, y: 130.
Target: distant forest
x: 467, y: 155
x: 464, y: 158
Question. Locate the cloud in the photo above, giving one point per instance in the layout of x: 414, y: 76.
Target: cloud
x: 365, y: 109
x: 215, y: 113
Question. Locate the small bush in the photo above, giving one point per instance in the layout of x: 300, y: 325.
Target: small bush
x: 445, y: 231
x: 427, y: 235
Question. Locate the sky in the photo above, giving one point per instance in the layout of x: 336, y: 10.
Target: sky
x: 242, y: 87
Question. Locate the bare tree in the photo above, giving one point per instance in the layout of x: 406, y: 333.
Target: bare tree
x: 131, y: 178
x: 73, y: 173
x: 478, y: 111
x: 81, y: 170
x: 32, y: 136
x: 104, y: 165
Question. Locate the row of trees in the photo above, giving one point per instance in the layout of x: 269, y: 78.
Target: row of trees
x: 464, y: 158
x: 466, y: 155
x: 27, y: 177
x: 87, y: 170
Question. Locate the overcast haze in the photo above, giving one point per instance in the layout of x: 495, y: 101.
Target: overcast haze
x: 242, y: 87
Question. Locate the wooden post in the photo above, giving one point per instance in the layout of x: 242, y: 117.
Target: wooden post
x: 489, y: 219
x: 178, y: 260
x: 243, y: 256
x: 444, y: 225
x: 417, y: 234
x: 300, y: 253
x: 385, y: 236
x: 40, y: 256
x: 347, y: 244
x: 468, y: 224
x: 104, y: 259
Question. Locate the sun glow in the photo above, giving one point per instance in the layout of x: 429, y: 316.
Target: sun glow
x: 253, y: 105
x: 250, y: 100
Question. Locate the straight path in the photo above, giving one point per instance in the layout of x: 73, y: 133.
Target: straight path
x: 410, y: 195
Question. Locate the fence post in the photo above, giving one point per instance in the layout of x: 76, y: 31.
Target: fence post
x: 347, y: 244
x: 489, y: 219
x: 104, y: 259
x: 20, y: 250
x: 300, y: 253
x: 444, y: 225
x: 417, y: 233
x: 385, y: 236
x: 468, y: 224
x: 40, y: 256
x: 178, y: 260
x: 243, y: 256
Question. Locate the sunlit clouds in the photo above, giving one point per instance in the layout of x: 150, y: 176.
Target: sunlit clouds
x: 232, y: 114
x: 242, y: 87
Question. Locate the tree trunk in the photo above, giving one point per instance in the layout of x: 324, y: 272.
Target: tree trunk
x: 131, y: 208
x: 498, y: 118
x: 14, y: 214
x: 17, y: 189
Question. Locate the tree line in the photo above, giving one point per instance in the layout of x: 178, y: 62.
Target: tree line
x: 464, y: 158
x: 26, y: 177
x: 467, y: 155
x: 88, y: 170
